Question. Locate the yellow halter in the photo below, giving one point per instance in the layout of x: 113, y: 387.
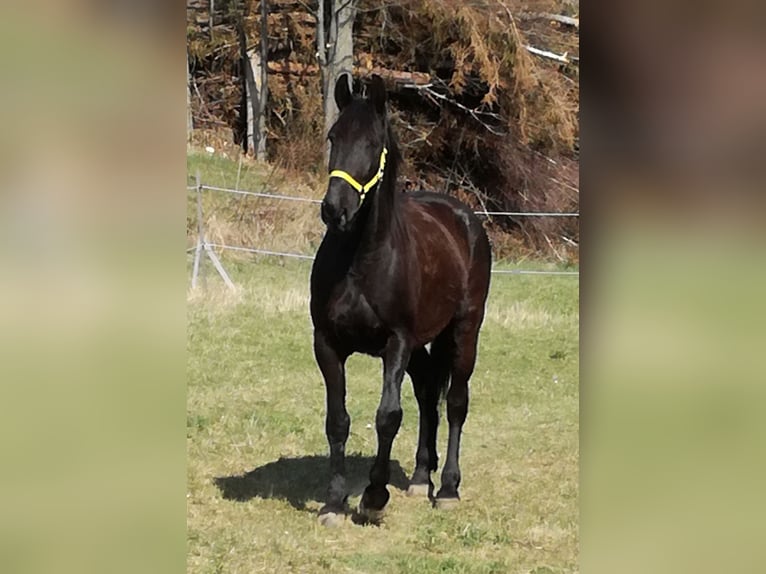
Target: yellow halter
x: 362, y: 189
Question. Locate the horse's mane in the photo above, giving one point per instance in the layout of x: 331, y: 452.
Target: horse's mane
x: 394, y: 155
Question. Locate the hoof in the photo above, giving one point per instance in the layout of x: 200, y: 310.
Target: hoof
x: 446, y: 503
x: 419, y: 490
x: 370, y: 514
x: 331, y: 519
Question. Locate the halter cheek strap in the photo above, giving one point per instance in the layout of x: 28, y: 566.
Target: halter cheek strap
x: 362, y: 189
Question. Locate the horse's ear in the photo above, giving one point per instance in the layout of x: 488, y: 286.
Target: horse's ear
x: 343, y: 95
x: 377, y: 93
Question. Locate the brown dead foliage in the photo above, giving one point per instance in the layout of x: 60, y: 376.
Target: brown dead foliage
x: 496, y: 126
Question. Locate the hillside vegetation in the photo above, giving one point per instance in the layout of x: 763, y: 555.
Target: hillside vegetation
x: 478, y: 116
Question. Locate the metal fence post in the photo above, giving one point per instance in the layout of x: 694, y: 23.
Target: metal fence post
x: 218, y: 266
x: 200, y: 238
x: 202, y: 244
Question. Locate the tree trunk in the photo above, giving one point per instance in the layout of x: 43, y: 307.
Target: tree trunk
x: 322, y: 60
x: 340, y: 53
x: 211, y: 21
x: 321, y: 41
x: 189, y: 118
x: 256, y: 87
x: 252, y: 64
x: 260, y: 149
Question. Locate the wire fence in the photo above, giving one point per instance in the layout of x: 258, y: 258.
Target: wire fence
x: 204, y: 246
x: 259, y: 194
x: 527, y: 213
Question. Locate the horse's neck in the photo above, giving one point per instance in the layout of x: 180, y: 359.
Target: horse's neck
x: 382, y: 223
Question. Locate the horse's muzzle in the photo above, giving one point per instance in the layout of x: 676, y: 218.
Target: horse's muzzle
x: 333, y: 218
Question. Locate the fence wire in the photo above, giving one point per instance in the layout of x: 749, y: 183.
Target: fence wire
x: 311, y: 258
x: 527, y: 213
x: 316, y: 201
x: 260, y: 194
x: 199, y: 188
x: 261, y: 251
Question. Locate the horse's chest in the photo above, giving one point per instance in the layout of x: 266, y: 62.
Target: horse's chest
x: 354, y: 321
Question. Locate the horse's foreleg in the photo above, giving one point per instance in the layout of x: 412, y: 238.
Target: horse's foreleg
x: 337, y: 424
x: 387, y: 422
x: 423, y: 374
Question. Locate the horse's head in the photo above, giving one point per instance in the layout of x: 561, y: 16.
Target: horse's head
x: 358, y: 152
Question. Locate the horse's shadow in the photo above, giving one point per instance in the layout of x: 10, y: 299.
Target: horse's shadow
x: 303, y: 479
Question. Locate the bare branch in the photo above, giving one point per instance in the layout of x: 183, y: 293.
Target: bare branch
x: 478, y: 115
x: 308, y: 8
x: 466, y: 183
x: 569, y: 241
x: 568, y: 20
x: 544, y: 53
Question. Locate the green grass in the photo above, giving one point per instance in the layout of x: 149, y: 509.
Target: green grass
x: 257, y: 454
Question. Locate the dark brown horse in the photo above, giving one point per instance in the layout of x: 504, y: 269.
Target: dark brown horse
x: 395, y: 272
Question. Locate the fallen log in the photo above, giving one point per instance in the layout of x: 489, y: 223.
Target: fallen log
x: 397, y: 77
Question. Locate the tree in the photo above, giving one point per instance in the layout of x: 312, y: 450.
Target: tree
x: 189, y: 118
x: 255, y: 63
x: 264, y: 94
x: 335, y: 49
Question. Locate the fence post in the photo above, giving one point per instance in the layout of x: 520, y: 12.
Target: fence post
x: 218, y: 266
x: 202, y: 244
x: 200, y: 237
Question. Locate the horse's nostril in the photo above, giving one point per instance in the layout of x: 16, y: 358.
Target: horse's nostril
x: 326, y: 212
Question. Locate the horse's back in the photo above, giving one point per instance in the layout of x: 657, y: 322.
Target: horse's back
x: 453, y: 254
x: 456, y: 219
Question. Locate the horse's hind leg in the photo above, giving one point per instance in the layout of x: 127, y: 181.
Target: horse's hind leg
x: 424, y: 382
x: 337, y: 424
x: 464, y: 337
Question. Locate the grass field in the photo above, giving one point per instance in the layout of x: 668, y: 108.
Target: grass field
x: 257, y: 453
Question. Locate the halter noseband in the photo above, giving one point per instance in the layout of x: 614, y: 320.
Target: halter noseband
x: 362, y: 189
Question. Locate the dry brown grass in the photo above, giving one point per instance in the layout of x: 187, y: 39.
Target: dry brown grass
x: 245, y: 221
x: 485, y: 41
x: 287, y: 226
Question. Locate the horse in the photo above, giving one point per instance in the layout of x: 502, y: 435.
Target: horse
x: 395, y: 271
